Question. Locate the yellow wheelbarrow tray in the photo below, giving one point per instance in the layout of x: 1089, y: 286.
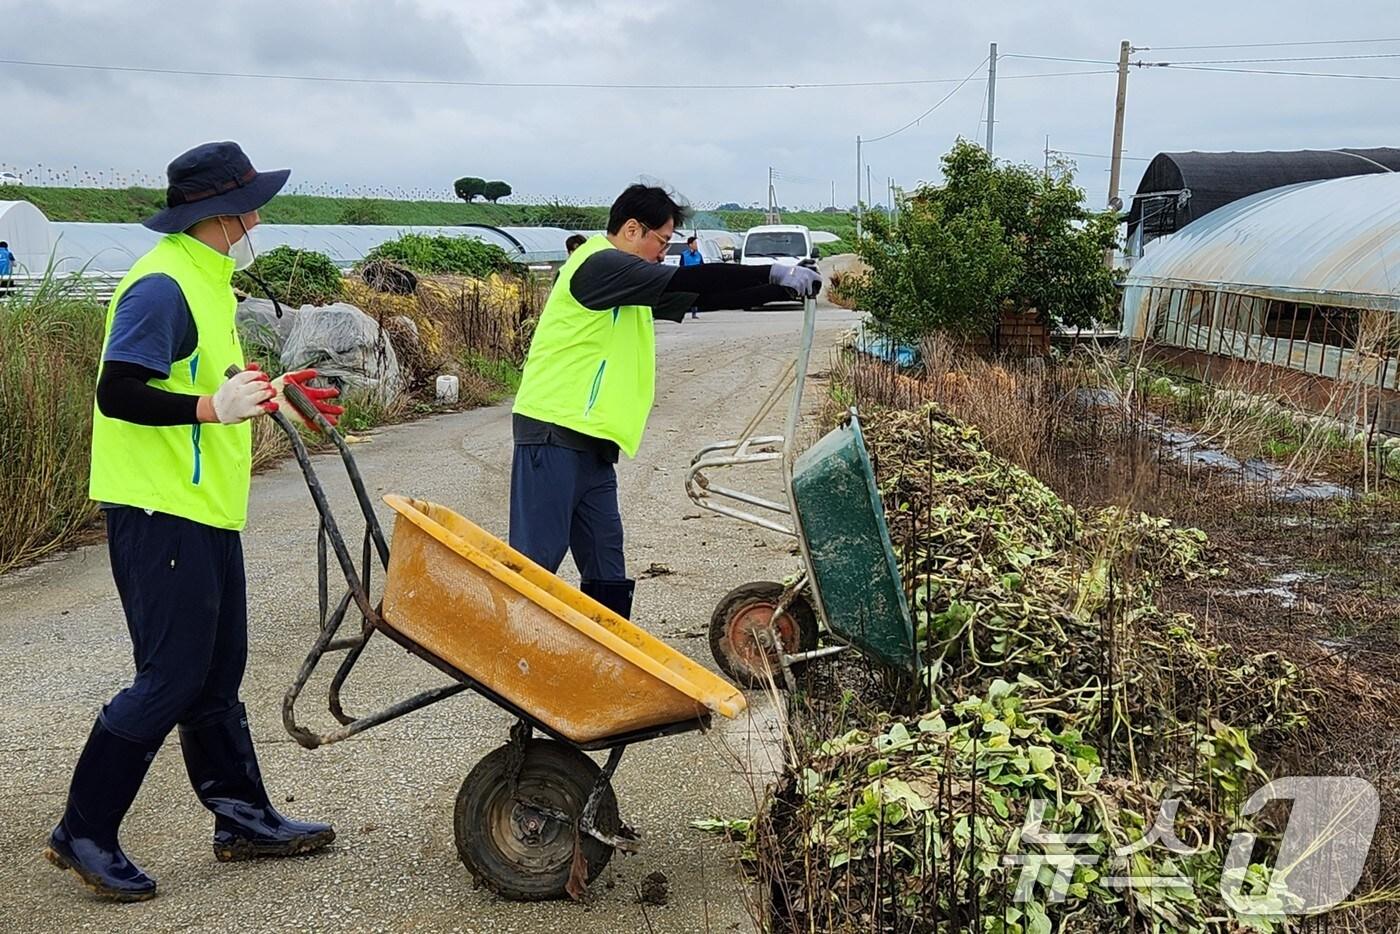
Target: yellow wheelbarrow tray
x: 585, y: 673
x: 536, y: 818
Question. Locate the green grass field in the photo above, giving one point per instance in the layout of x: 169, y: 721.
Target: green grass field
x: 130, y: 205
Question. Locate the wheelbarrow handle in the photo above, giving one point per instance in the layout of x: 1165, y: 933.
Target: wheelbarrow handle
x: 804, y: 360
x: 307, y: 409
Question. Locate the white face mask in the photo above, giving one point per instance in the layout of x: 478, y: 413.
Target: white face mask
x: 240, y: 250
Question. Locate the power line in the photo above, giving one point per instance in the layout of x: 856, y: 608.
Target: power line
x: 943, y: 100
x: 1207, y: 61
x: 1057, y: 58
x: 1270, y: 45
x: 1098, y: 155
x: 540, y: 85
x: 1313, y: 58
x: 1056, y: 74
x: 1291, y: 74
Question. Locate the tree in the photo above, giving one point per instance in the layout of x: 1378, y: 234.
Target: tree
x: 995, y: 237
x: 495, y: 191
x: 468, y: 187
x: 730, y: 206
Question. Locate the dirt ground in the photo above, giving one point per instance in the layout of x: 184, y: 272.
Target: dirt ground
x: 64, y: 651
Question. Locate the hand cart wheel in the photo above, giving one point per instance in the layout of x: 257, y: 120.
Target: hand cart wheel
x: 755, y: 625
x: 519, y: 838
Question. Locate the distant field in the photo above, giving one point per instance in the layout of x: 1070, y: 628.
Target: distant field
x: 132, y: 204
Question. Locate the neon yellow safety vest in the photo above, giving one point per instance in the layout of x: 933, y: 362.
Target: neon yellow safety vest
x: 199, y: 472
x: 592, y: 371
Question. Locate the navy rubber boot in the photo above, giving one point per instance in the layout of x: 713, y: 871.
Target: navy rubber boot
x: 616, y: 595
x: 223, y: 769
x: 105, y: 781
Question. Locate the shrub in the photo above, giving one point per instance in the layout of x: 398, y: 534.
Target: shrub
x: 296, y: 277
x: 495, y: 191
x: 933, y: 272
x: 49, y: 345
x: 423, y: 254
x: 568, y: 216
x: 384, y: 276
x: 362, y: 211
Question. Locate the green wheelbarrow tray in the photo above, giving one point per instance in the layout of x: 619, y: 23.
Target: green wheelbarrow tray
x: 850, y: 559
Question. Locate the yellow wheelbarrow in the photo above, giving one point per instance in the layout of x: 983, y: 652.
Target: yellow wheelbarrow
x: 537, y: 818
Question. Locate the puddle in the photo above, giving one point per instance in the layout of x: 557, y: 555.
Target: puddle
x: 1187, y: 447
x: 1282, y: 587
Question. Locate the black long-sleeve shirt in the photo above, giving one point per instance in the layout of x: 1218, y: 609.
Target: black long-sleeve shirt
x: 124, y: 392
x: 611, y: 278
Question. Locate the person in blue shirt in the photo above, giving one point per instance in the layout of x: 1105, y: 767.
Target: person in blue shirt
x: 6, y: 262
x: 691, y: 257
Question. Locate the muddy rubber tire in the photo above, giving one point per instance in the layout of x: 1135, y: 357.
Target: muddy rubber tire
x: 514, y: 851
x: 739, y: 615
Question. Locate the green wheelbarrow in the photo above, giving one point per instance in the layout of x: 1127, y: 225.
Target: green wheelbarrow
x: 848, y: 593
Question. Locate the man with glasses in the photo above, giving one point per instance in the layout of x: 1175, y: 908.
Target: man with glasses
x: 590, y: 379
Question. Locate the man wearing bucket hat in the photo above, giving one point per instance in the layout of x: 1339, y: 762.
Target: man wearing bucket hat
x: 171, y: 463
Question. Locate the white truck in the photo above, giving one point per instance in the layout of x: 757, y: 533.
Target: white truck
x: 767, y: 244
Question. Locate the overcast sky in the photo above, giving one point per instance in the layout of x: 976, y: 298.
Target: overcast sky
x: 711, y: 145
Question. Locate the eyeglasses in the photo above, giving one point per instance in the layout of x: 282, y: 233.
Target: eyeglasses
x: 664, y: 240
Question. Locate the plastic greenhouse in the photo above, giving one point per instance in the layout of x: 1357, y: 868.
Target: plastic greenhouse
x: 1305, y: 277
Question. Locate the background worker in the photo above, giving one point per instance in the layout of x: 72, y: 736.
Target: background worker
x: 573, y: 242
x: 171, y: 464
x: 7, y: 260
x: 690, y: 256
x: 590, y: 377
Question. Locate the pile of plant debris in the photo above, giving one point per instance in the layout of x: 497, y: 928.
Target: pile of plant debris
x: 1057, y: 700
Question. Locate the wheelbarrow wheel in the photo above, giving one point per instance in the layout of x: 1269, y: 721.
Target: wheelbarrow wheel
x: 745, y: 637
x: 514, y: 843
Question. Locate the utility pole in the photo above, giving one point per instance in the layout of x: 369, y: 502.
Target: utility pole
x: 1116, y: 165
x: 991, y: 95
x: 858, y: 205
x: 1047, y: 157
x: 833, y: 194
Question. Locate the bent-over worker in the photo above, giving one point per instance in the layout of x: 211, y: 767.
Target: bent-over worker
x: 590, y: 376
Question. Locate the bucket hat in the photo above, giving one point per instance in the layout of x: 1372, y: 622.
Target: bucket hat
x: 210, y: 180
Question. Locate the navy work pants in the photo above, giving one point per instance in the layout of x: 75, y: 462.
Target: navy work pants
x: 185, y: 597
x: 566, y: 500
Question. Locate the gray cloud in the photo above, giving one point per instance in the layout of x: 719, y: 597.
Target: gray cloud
x: 714, y: 145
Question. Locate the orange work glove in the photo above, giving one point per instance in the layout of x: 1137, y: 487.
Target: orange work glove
x: 315, y: 394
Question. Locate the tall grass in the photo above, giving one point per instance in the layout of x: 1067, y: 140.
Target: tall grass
x: 49, y: 345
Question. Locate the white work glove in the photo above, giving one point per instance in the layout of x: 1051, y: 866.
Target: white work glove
x: 804, y: 280
x: 245, y: 395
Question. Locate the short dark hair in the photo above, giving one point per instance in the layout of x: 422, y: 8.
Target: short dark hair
x: 689, y: 240
x: 647, y: 205
x: 573, y: 242
x: 4, y: 244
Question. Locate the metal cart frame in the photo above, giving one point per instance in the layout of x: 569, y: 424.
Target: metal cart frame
x: 375, y: 550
